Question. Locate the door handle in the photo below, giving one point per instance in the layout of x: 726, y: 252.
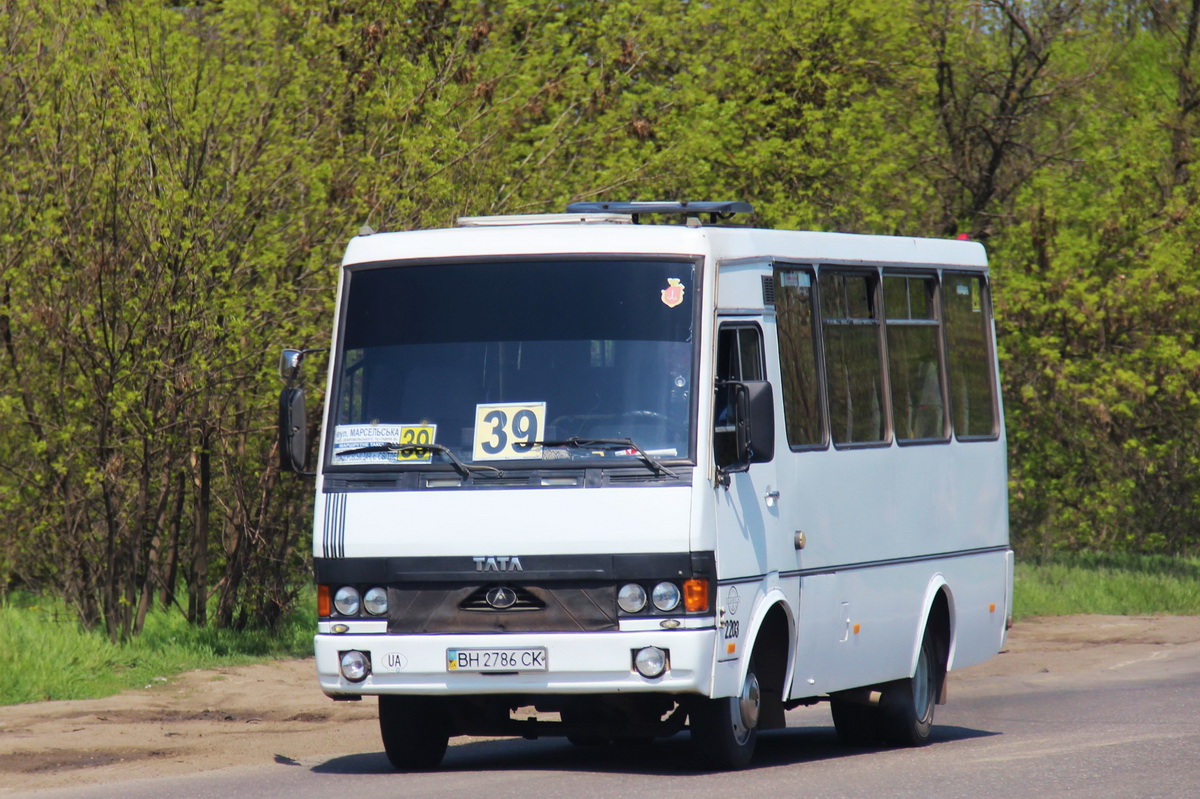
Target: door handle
x: 771, y: 497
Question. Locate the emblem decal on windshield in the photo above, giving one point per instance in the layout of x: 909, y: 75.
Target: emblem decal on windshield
x: 672, y: 295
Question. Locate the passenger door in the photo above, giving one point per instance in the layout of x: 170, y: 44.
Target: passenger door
x: 746, y: 500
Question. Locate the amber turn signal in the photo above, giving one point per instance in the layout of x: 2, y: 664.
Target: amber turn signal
x: 695, y: 595
x: 324, y: 608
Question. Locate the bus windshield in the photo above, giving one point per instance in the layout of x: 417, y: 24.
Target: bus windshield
x: 488, y: 360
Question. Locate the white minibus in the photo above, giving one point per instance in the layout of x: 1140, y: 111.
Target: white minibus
x: 636, y: 468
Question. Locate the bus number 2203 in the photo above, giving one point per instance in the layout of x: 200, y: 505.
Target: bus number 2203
x: 731, y: 628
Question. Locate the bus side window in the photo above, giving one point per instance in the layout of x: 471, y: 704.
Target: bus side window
x: 969, y: 354
x: 739, y: 353
x: 914, y: 362
x: 853, y: 364
x: 795, y: 315
x: 739, y: 357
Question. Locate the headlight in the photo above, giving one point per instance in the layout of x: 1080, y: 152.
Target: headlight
x: 375, y: 601
x: 666, y: 596
x: 355, y: 666
x: 650, y: 662
x: 631, y: 598
x: 346, y: 600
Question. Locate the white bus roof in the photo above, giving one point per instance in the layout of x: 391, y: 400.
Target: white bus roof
x: 602, y: 234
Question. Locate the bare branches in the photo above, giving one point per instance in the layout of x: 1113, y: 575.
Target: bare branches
x: 994, y: 87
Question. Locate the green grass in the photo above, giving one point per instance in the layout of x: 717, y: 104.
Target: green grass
x: 1121, y: 585
x: 45, y: 654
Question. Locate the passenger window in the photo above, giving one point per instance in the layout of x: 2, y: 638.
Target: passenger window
x: 739, y: 354
x: 795, y: 314
x: 914, y: 362
x: 854, y: 368
x: 969, y: 354
x: 739, y: 357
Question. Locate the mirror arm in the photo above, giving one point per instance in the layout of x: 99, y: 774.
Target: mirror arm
x: 724, y: 477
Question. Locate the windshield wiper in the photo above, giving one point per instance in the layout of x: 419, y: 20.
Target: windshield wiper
x: 611, y: 443
x: 463, y: 469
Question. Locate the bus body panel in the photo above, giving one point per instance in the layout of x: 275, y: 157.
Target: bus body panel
x: 505, y: 522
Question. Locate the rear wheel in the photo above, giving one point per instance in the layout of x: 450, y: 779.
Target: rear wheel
x: 726, y: 730
x: 414, y: 730
x: 907, y: 705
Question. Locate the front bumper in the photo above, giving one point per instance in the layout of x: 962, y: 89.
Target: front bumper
x: 577, y: 663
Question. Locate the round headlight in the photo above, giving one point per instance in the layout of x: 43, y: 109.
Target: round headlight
x: 346, y: 600
x: 355, y: 666
x: 666, y: 596
x: 631, y: 598
x: 650, y: 662
x: 375, y: 601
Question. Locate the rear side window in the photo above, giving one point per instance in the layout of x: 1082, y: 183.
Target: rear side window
x: 969, y: 355
x: 854, y: 368
x: 796, y: 324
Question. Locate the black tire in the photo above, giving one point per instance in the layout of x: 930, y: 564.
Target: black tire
x: 907, y: 705
x: 725, y: 730
x: 414, y: 731
x: 857, y: 724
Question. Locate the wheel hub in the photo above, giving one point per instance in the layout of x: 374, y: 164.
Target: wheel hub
x: 749, y: 703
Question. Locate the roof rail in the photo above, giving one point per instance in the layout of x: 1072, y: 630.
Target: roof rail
x: 716, y: 210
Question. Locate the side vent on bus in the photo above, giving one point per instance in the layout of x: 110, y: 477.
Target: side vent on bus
x: 768, y: 286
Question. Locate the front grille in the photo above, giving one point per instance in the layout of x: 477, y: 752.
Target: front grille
x: 565, y: 606
x: 477, y: 601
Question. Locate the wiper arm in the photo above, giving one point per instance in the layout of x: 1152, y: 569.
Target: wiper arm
x: 462, y: 468
x: 611, y: 443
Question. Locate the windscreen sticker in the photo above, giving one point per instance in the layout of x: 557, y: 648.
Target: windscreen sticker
x: 509, y: 430
x: 670, y: 452
x: 348, y: 437
x: 795, y: 280
x: 672, y: 295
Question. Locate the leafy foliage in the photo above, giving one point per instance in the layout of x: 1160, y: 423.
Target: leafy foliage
x: 177, y: 182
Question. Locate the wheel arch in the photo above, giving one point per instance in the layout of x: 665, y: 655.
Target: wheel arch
x: 937, y: 620
x: 771, y: 644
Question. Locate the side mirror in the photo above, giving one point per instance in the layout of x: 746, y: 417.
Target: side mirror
x: 289, y: 362
x: 745, y: 428
x: 759, y: 421
x: 293, y: 430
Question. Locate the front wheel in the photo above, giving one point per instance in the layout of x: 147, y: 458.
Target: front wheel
x: 726, y: 730
x: 414, y: 731
x: 907, y: 705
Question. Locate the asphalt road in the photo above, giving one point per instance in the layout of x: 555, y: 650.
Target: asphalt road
x: 1130, y: 730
